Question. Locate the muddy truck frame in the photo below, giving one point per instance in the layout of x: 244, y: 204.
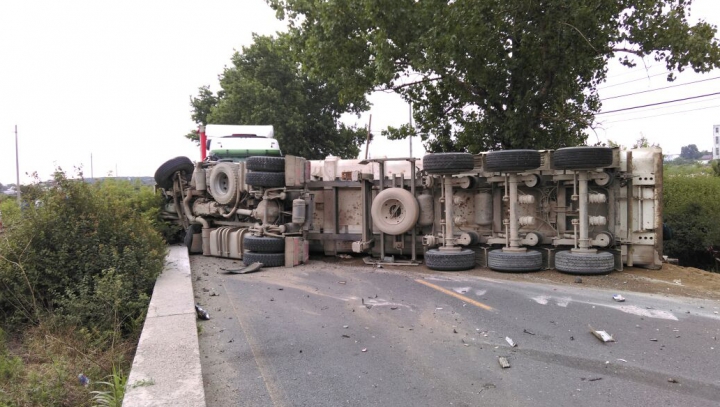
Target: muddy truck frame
x: 579, y: 210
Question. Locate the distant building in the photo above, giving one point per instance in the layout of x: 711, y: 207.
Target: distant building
x: 716, y: 142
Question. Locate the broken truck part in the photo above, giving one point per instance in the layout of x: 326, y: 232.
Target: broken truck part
x: 580, y: 210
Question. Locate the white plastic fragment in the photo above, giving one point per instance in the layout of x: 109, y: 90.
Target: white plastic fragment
x: 510, y: 341
x: 602, y: 335
x: 503, y: 362
x: 618, y: 298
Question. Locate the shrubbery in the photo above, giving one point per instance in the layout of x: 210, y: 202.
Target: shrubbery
x: 77, y: 269
x: 692, y: 210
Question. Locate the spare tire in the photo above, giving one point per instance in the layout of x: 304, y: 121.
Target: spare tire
x: 395, y: 211
x: 441, y: 260
x: 164, y: 173
x: 224, y: 183
x: 264, y: 244
x: 512, y: 160
x: 579, y: 158
x: 448, y: 163
x: 269, y: 164
x: 265, y: 179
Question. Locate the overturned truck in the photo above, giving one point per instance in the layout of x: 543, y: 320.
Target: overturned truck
x: 579, y: 210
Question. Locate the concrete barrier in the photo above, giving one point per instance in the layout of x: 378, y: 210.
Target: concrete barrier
x: 166, y: 370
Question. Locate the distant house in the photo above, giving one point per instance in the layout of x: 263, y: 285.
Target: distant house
x: 670, y: 157
x: 706, y: 157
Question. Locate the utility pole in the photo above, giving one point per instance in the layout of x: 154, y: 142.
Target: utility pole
x: 17, y: 171
x: 91, y: 168
x: 369, y: 137
x: 411, y: 125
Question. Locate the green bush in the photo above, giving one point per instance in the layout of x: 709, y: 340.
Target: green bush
x: 692, y: 210
x: 87, y: 254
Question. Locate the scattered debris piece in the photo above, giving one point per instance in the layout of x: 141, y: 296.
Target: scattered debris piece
x: 244, y: 270
x: 678, y: 282
x: 214, y: 294
x: 393, y: 308
x: 364, y: 349
x: 622, y: 360
x: 345, y: 336
x: 346, y: 326
x: 454, y: 330
x: 528, y: 332
x: 510, y: 341
x: 206, y: 290
x: 231, y: 340
x: 342, y: 282
x: 618, y: 298
x: 653, y: 339
x: 280, y: 289
x: 572, y: 338
x: 594, y: 379
x: 578, y: 280
x: 344, y: 256
x: 503, y: 362
x: 438, y: 308
x: 602, y: 335
x: 84, y: 380
x: 201, y: 313
x: 272, y: 299
x: 671, y: 380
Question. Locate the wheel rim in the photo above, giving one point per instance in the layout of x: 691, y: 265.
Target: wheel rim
x: 393, y: 211
x: 222, y: 183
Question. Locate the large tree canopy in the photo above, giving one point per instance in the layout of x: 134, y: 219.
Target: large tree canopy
x: 492, y: 74
x: 265, y: 85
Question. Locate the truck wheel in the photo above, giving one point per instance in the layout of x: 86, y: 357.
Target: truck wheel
x: 267, y: 259
x: 514, y: 262
x: 164, y: 173
x: 224, y: 183
x: 450, y: 261
x: 395, y: 211
x: 448, y: 163
x: 264, y: 244
x: 265, y: 179
x: 578, y: 158
x: 269, y: 164
x: 584, y: 263
x: 512, y: 160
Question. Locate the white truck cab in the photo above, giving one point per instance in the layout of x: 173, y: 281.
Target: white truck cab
x: 237, y: 142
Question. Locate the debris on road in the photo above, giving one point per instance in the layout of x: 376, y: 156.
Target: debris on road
x: 622, y: 360
x: 393, y: 308
x: 578, y: 280
x: 201, y: 313
x: 503, y: 362
x: 671, y: 380
x: 364, y: 349
x: 592, y: 379
x: 344, y: 256
x: 510, y: 342
x: 346, y: 326
x: 345, y: 336
x: 618, y: 298
x: 214, y: 294
x: 244, y: 270
x: 528, y: 332
x: 602, y: 335
x: 342, y: 282
x: 653, y: 339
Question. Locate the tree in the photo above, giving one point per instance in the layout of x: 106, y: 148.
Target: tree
x: 265, y: 85
x: 690, y: 152
x: 492, y: 74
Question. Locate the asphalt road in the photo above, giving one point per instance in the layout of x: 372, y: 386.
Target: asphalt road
x: 328, y: 334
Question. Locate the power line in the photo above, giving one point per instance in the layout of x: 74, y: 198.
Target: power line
x: 634, y: 80
x: 667, y: 107
x: 659, y: 103
x: 663, y: 88
x: 663, y: 114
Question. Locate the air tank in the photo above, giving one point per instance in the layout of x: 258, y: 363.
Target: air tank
x: 427, y: 214
x: 483, y: 209
x: 298, y: 211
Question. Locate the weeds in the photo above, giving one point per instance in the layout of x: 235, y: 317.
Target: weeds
x: 113, y: 395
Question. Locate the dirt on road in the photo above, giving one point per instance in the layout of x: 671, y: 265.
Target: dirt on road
x: 670, y: 280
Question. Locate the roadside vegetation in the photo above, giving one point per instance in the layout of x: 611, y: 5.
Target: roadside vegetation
x: 77, y: 266
x: 692, y: 211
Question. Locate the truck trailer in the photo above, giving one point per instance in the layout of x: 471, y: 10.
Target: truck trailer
x: 579, y: 210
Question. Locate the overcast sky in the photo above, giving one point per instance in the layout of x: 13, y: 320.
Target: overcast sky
x: 113, y: 79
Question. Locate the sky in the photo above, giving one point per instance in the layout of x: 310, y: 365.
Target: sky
x: 112, y: 80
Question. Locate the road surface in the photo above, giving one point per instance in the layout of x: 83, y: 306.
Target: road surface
x: 331, y: 334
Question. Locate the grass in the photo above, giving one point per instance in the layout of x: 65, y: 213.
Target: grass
x: 40, y: 367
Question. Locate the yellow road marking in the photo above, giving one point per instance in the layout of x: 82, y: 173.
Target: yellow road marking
x: 456, y: 295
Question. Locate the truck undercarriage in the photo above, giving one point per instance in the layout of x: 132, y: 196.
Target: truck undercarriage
x: 580, y: 210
